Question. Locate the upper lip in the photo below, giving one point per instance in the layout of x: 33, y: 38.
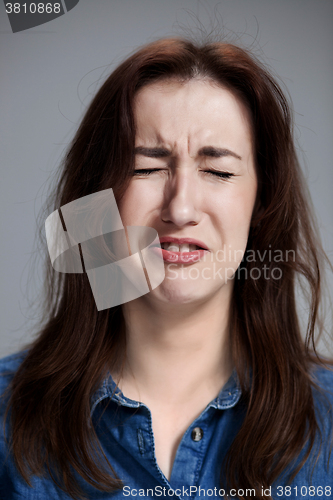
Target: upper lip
x: 179, y: 241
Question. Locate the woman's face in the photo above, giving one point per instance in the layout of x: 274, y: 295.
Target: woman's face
x: 195, y: 183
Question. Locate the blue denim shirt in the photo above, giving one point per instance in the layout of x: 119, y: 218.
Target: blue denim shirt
x: 124, y: 428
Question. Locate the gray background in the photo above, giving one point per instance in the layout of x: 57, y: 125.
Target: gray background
x: 49, y: 74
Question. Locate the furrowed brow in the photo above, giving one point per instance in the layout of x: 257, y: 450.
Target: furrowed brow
x: 214, y: 152
x: 152, y: 152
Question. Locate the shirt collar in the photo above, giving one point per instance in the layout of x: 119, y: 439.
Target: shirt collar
x: 227, y: 398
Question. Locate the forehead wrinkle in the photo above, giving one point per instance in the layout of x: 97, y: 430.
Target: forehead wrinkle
x: 157, y: 140
x: 176, y: 136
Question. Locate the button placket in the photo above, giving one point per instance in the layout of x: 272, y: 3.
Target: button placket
x: 197, y: 434
x: 191, y: 452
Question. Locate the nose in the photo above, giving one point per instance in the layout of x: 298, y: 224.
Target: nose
x: 181, y: 199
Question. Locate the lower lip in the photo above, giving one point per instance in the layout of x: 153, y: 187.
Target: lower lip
x: 183, y: 257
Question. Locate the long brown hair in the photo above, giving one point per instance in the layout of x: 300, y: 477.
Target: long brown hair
x: 50, y: 401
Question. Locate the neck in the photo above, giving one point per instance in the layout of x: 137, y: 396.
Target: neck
x: 179, y: 351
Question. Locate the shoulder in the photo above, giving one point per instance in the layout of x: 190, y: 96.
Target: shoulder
x: 8, y: 367
x: 322, y: 391
x: 317, y: 471
x: 322, y: 377
x: 323, y: 405
x: 12, y: 362
x: 323, y: 373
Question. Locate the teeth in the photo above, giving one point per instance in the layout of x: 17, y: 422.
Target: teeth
x: 173, y: 247
x: 184, y: 247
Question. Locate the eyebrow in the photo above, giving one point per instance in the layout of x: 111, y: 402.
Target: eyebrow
x: 152, y: 152
x: 214, y: 152
x: 209, y: 151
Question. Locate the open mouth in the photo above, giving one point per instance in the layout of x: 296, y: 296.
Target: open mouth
x: 182, y: 248
x: 181, y: 252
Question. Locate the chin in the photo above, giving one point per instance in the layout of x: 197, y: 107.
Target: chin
x: 176, y: 295
x: 183, y: 291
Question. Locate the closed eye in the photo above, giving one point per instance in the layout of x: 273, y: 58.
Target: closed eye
x: 221, y: 175
x: 216, y: 173
x: 146, y: 171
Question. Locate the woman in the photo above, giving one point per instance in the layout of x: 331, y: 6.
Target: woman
x: 203, y: 386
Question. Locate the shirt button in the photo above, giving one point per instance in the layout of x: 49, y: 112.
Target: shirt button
x: 197, y: 434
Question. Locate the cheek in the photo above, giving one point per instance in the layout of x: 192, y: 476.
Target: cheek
x: 138, y: 202
x: 127, y: 206
x: 233, y: 212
